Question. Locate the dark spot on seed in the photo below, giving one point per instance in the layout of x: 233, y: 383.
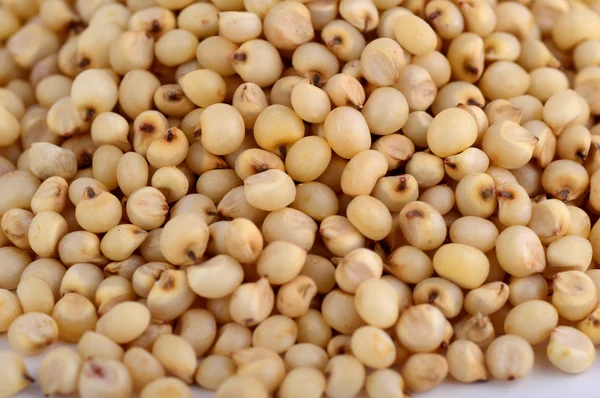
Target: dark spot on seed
x: 223, y: 217
x: 450, y: 164
x: 75, y: 26
x: 303, y: 290
x: 86, y: 160
x: 147, y: 128
x: 505, y: 194
x: 414, y: 213
x: 282, y: 152
x: 401, y: 184
x: 563, y: 194
x: 471, y: 69
x: 434, y: 15
x: 84, y: 62
x: 239, y: 57
x: 385, y: 246
x: 191, y: 255
x: 444, y: 347
x: 432, y: 297
x: 248, y: 321
x: 89, y: 114
x: 336, y: 41
x: 96, y: 370
x: 581, y: 155
x: 349, y: 102
x: 316, y: 79
x: 174, y: 95
x: 155, y: 26
x: 488, y: 193
x: 169, y: 282
x: 89, y: 191
x: 197, y: 133
x: 259, y: 168
x: 472, y: 101
x: 170, y: 136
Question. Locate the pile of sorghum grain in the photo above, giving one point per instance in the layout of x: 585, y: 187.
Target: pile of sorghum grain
x: 297, y: 199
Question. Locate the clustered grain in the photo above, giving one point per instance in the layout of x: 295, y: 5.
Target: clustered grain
x: 297, y: 198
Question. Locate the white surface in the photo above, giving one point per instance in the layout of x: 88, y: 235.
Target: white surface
x: 544, y: 382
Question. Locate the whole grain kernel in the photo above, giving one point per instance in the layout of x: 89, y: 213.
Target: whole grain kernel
x: 277, y: 128
x: 342, y: 123
x: 397, y: 148
x: 112, y: 291
x: 288, y: 25
x: 417, y: 86
x: 261, y: 363
x: 533, y: 320
x: 422, y: 225
x: 415, y: 35
x: 468, y: 269
x: 382, y: 61
x: 89, y: 214
x: 258, y: 61
x: 315, y: 62
x: 570, y: 350
x: 176, y: 355
x: 441, y: 293
x: 499, y: 358
x: 345, y: 376
x: 32, y: 332
x: 386, y: 111
x: 426, y: 168
x: 362, y: 172
x: 574, y: 295
x: 424, y: 371
x: 421, y: 328
x: 343, y: 39
x: 104, y: 376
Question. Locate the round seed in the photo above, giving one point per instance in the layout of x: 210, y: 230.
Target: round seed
x: 570, y: 350
x: 466, y: 362
x: 423, y: 371
x: 32, y: 333
x: 15, y: 377
x: 104, y: 376
x: 59, y: 371
x: 377, y: 303
x: 421, y: 328
x: 574, y: 295
x: 533, y: 320
x: 500, y: 354
x: 176, y: 355
x: 112, y: 325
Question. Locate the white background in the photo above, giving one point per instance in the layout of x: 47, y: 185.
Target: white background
x: 544, y: 382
